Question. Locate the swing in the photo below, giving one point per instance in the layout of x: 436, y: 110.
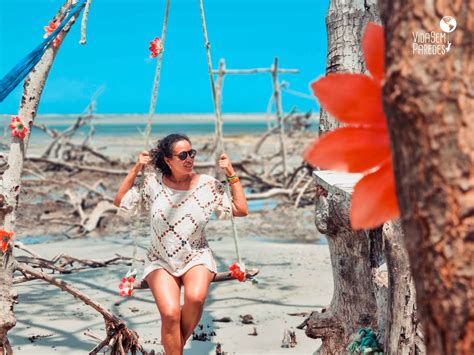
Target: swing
x: 250, y: 273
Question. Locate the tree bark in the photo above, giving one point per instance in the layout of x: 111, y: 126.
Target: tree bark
x: 429, y: 102
x: 353, y: 257
x: 10, y: 181
x: 345, y: 23
x: 403, y: 334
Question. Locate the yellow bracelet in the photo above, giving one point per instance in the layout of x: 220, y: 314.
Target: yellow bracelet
x: 234, y: 181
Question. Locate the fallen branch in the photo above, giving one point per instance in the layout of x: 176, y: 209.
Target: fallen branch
x: 122, y: 338
x: 98, y: 212
x: 73, y: 167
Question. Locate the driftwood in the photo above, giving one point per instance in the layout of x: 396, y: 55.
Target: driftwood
x: 119, y: 338
x: 63, y: 264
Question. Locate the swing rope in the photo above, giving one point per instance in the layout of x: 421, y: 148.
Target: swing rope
x: 219, y: 138
x: 154, y: 92
x: 219, y: 134
x: 154, y: 95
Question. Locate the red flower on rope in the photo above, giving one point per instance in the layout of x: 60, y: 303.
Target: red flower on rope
x: 5, y: 239
x: 126, y: 286
x: 18, y: 127
x: 156, y: 47
x: 237, y: 272
x: 363, y: 145
x: 50, y: 29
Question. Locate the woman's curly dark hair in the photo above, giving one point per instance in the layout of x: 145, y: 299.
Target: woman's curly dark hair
x: 164, y: 148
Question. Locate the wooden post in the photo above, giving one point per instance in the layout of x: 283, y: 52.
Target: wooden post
x: 279, y: 116
x: 219, y: 138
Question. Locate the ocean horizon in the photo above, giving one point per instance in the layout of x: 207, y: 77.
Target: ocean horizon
x: 134, y: 124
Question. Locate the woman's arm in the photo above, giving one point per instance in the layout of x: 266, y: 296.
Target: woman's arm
x: 143, y: 159
x: 239, y: 201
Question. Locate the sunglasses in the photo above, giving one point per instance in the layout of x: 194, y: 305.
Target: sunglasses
x: 184, y: 155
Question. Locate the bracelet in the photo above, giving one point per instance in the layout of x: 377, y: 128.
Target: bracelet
x: 231, y: 178
x: 234, y: 181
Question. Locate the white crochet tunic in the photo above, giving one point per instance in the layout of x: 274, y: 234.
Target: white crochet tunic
x: 178, y: 219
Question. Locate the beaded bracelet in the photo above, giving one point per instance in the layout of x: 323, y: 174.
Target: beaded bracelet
x: 233, y: 179
x: 232, y: 182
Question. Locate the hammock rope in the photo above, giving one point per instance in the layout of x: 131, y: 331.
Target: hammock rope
x: 16, y: 75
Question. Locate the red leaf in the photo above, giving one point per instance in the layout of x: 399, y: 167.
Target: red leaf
x: 374, y: 200
x: 373, y: 48
x: 352, y: 98
x: 350, y: 149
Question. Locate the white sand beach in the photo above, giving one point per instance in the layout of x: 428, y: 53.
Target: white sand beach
x: 294, y: 277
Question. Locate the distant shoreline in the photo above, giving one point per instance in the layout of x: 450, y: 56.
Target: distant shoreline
x: 162, y: 118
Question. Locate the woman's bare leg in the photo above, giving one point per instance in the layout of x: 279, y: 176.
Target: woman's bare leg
x: 166, y: 290
x: 196, y: 284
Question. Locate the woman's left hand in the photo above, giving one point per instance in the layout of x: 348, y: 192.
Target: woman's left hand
x: 225, y: 164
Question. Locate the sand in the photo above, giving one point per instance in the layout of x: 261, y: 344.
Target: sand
x: 295, y: 277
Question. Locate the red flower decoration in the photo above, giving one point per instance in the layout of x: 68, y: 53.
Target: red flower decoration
x: 5, y: 238
x: 126, y: 286
x: 18, y: 127
x: 50, y: 29
x: 237, y: 272
x: 363, y: 145
x: 155, y: 48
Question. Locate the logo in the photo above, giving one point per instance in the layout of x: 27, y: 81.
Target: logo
x: 448, y: 24
x: 434, y: 43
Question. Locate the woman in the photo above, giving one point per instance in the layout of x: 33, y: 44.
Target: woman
x: 180, y: 203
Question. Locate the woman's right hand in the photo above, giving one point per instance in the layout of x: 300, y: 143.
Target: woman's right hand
x: 143, y: 159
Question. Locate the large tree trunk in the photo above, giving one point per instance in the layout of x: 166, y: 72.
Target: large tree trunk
x: 403, y: 335
x: 354, y: 257
x: 345, y: 23
x: 10, y: 181
x: 429, y: 102
x: 354, y: 303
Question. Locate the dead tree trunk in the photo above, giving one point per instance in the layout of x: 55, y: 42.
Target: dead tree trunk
x: 354, y: 256
x: 10, y: 181
x: 403, y: 335
x: 354, y: 303
x: 429, y: 103
x: 345, y: 23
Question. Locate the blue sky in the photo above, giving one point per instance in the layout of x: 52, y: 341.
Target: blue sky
x: 246, y: 33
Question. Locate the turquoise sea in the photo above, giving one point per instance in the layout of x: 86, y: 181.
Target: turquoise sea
x: 132, y: 125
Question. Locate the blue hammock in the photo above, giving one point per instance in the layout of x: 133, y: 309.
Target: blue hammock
x: 21, y: 70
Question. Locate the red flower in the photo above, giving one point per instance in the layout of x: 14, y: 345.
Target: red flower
x: 126, y: 286
x: 155, y: 48
x: 50, y: 29
x: 363, y: 145
x: 5, y: 238
x: 18, y: 127
x: 237, y: 272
